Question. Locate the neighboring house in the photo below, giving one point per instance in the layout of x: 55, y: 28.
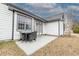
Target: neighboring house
x: 14, y: 20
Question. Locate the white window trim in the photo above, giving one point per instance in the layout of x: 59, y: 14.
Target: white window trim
x: 25, y: 23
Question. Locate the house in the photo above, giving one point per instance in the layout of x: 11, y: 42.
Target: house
x: 14, y: 20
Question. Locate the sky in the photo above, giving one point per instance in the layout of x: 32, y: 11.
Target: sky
x: 45, y: 10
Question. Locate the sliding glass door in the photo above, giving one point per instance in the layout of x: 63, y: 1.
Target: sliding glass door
x: 39, y: 27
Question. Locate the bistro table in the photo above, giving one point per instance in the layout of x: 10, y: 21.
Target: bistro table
x: 28, y: 36
x: 23, y: 34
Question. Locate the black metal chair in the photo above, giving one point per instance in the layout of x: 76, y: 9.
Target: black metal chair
x: 32, y: 36
x: 23, y: 36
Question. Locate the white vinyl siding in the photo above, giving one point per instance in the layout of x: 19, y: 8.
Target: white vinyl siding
x: 5, y: 22
x: 52, y: 28
x: 62, y: 28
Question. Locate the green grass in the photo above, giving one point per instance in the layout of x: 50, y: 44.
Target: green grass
x: 76, y: 28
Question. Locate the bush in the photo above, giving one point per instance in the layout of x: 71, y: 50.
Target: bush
x: 76, y: 28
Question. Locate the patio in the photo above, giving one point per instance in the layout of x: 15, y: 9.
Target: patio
x: 31, y: 47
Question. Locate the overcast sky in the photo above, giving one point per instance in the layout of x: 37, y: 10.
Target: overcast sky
x: 49, y: 9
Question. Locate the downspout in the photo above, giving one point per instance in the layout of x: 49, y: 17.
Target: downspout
x: 63, y: 27
x: 13, y: 26
x: 63, y: 24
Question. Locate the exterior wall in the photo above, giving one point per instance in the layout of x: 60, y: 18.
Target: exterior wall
x: 5, y: 22
x: 44, y: 25
x: 33, y: 24
x: 16, y: 33
x: 52, y: 28
x: 61, y: 28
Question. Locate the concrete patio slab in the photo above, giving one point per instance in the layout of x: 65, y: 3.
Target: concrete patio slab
x: 31, y: 47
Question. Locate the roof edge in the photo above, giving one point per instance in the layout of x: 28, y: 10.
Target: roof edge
x: 25, y: 12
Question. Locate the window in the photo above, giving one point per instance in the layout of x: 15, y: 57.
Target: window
x: 23, y: 22
x: 20, y: 26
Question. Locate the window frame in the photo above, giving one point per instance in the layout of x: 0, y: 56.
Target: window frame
x: 39, y: 25
x: 25, y: 22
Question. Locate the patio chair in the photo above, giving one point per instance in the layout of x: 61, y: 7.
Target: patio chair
x: 23, y: 36
x: 31, y: 36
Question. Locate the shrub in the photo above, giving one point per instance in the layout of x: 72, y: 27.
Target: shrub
x: 76, y: 28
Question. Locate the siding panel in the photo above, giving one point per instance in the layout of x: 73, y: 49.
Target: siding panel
x: 5, y: 22
x: 51, y: 28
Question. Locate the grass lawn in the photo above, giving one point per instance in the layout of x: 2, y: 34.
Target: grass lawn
x: 10, y: 49
x: 62, y: 46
